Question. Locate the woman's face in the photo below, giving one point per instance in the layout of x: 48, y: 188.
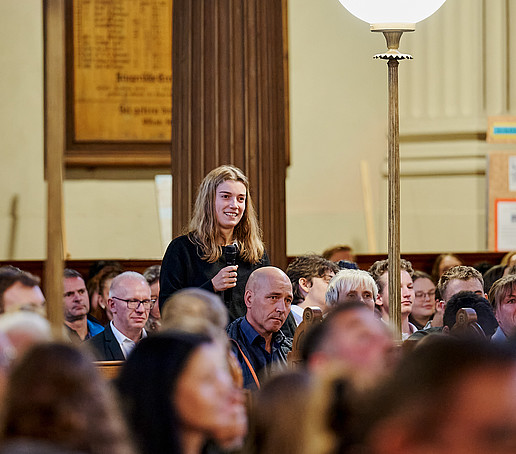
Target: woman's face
x: 230, y: 200
x: 203, y: 395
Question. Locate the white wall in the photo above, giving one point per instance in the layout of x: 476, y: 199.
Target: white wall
x: 108, y: 214
x: 339, y: 116
x: 338, y: 96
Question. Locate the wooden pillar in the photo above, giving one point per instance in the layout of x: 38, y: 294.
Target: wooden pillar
x: 230, y: 105
x: 54, y: 149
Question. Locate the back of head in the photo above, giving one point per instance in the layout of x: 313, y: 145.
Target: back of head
x: 461, y: 273
x: 152, y: 274
x: 24, y: 329
x: 146, y: 385
x: 56, y: 394
x: 485, y: 316
x: 492, y: 275
x: 195, y: 310
x: 307, y: 267
x: 418, y: 399
x: 284, y: 397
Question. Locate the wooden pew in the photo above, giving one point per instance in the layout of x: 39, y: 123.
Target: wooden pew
x: 466, y: 324
x: 109, y: 369
x: 311, y: 316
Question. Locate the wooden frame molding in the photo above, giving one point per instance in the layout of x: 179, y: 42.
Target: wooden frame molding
x: 230, y: 105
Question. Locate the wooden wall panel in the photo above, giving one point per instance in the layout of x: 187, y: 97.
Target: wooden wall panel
x: 229, y: 105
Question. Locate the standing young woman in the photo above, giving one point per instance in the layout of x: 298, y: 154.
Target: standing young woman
x: 224, y: 244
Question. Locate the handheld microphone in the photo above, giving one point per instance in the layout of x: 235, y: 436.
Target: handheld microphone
x: 230, y: 253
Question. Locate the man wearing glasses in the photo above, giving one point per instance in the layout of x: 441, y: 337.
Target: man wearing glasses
x: 130, y: 302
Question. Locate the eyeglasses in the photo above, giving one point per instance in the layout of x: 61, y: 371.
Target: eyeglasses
x: 134, y: 303
x: 430, y: 294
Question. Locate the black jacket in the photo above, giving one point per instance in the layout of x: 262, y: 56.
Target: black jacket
x: 105, y: 346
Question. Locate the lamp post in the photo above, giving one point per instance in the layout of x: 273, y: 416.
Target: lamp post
x: 393, y: 18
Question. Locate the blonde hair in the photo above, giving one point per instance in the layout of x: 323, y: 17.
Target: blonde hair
x: 197, y: 311
x: 203, y: 225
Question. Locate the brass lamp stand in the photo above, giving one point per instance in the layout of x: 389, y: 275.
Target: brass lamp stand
x: 393, y: 56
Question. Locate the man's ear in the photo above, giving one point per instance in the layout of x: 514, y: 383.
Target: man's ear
x: 112, y: 305
x: 446, y: 330
x: 439, y: 306
x: 304, y: 285
x: 248, y: 296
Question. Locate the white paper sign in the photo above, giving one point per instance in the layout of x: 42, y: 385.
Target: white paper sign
x: 506, y: 225
x: 164, y: 199
x: 512, y: 173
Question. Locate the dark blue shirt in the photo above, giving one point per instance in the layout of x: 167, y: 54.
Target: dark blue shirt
x: 252, y: 345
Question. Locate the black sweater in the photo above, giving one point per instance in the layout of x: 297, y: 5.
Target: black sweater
x: 183, y: 267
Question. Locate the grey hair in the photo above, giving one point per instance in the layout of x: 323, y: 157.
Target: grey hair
x: 347, y: 280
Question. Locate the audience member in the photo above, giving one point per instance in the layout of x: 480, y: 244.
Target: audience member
x: 195, y: 310
x: 450, y: 395
x: 96, y: 271
x: 7, y: 356
x: 277, y: 420
x: 106, y: 276
x: 380, y: 273
x: 332, y: 410
x: 457, y: 279
x: 339, y: 252
x: 423, y: 308
x: 509, y: 259
x: 259, y: 345
x: 20, y: 290
x: 349, y: 285
x: 224, y: 244
x: 24, y: 329
x: 177, y: 395
x: 76, y: 306
x: 485, y: 316
x: 443, y: 263
x: 56, y: 403
x: 310, y: 275
x: 152, y: 276
x: 502, y: 297
x: 350, y: 338
x: 130, y: 302
x: 483, y: 267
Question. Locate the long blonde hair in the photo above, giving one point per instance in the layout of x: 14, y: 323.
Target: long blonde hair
x: 204, y: 227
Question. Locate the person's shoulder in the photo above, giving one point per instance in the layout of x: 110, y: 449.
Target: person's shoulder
x: 234, y: 327
x: 424, y: 332
x: 94, y: 327
x: 265, y: 261
x: 182, y: 241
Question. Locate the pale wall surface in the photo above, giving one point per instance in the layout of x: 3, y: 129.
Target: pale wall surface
x: 338, y: 97
x: 462, y: 73
x: 113, y: 217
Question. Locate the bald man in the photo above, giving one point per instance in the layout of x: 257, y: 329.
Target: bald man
x: 257, y: 341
